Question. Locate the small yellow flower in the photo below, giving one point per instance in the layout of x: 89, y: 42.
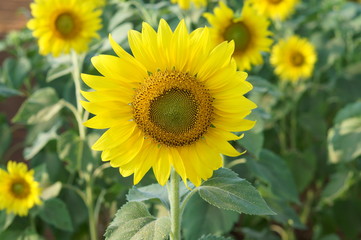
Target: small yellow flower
x: 185, y: 4
x: 249, y: 33
x: 275, y: 9
x: 63, y: 25
x: 293, y: 58
x: 18, y: 190
x: 173, y: 104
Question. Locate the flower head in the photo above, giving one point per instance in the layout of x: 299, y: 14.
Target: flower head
x: 185, y: 4
x: 63, y: 25
x: 249, y: 33
x: 18, y: 190
x: 293, y: 58
x: 173, y: 103
x: 275, y: 9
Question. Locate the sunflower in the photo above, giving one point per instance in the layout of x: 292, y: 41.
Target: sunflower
x: 249, y: 32
x: 293, y: 58
x: 18, y: 190
x: 172, y: 105
x: 185, y: 4
x: 62, y: 25
x: 275, y: 9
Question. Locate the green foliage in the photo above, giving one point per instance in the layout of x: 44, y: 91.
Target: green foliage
x: 55, y: 212
x: 201, y: 218
x: 133, y: 221
x: 212, y: 237
x: 227, y: 191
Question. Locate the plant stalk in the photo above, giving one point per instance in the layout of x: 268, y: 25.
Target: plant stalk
x: 174, y: 199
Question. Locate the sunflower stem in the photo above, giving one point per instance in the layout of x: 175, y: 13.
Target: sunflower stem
x: 90, y: 205
x: 174, y: 199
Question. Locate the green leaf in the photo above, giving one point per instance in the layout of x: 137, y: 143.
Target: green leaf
x: 201, y: 218
x: 71, y: 148
x: 40, y: 107
x: 58, y: 71
x: 227, y: 191
x: 154, y: 191
x: 339, y: 183
x: 51, y: 191
x: 133, y: 222
x: 55, y: 212
x: 15, y: 71
x: 8, y: 92
x: 212, y: 237
x: 273, y: 170
x: 5, y: 136
x: 252, y: 142
x: 40, y: 141
x: 344, y: 140
x: 5, y: 220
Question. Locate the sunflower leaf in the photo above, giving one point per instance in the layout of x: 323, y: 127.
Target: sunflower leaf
x: 133, y: 221
x: 212, y: 237
x: 55, y: 212
x: 227, y: 191
x: 201, y: 218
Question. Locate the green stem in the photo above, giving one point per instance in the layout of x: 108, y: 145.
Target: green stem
x: 174, y: 199
x: 294, y: 127
x: 76, y: 77
x: 90, y: 205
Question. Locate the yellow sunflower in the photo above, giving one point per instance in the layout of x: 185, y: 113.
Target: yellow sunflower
x: 18, y: 190
x: 185, y: 4
x: 62, y: 25
x: 249, y: 32
x: 275, y: 9
x: 293, y: 58
x: 174, y: 104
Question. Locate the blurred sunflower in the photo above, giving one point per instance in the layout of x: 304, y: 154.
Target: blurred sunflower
x: 249, y: 32
x: 174, y: 104
x: 185, y: 4
x: 62, y: 25
x: 275, y: 9
x: 18, y: 190
x: 293, y: 58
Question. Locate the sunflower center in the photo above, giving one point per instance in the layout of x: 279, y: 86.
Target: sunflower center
x: 297, y: 59
x: 275, y: 1
x: 239, y: 33
x: 66, y: 25
x: 173, y: 108
x: 174, y: 111
x: 20, y: 188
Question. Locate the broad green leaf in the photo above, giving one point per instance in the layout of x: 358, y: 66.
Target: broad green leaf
x: 303, y: 168
x: 75, y: 152
x: 51, y: 191
x: 134, y: 222
x: 344, y: 140
x: 15, y: 71
x: 212, y: 237
x: 339, y: 183
x: 352, y: 110
x: 201, y: 218
x: 58, y: 71
x: 227, y: 191
x: 154, y: 191
x: 252, y: 142
x: 273, y: 170
x: 5, y: 220
x: 40, y: 107
x: 55, y: 212
x: 40, y: 141
x: 8, y: 92
x: 286, y: 215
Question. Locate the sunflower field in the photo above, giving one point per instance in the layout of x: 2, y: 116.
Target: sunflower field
x: 182, y: 120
